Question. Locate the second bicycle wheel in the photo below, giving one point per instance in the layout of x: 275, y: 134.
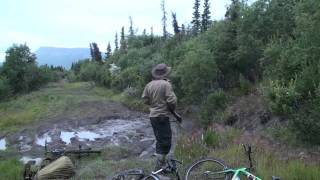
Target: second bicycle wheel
x: 207, y: 168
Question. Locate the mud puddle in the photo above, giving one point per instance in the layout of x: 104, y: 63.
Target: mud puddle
x: 135, y: 133
x: 3, y: 144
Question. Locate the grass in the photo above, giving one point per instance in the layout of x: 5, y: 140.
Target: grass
x: 53, y: 100
x: 134, y: 103
x: 57, y: 98
x: 10, y: 169
x: 266, y: 163
x: 100, y: 168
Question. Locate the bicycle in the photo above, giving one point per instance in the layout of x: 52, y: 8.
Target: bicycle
x: 211, y: 168
x: 138, y: 174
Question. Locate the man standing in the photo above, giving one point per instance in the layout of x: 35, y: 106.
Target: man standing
x: 158, y: 94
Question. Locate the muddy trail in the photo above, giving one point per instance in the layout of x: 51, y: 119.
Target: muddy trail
x: 107, y: 124
x: 97, y: 122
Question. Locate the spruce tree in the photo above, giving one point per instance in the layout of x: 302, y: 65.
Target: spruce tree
x: 205, y: 16
x: 196, y: 18
x: 96, y: 54
x: 164, y: 20
x: 116, y: 45
x: 131, y: 31
x: 151, y: 32
x: 175, y: 25
x: 123, y: 42
x: 109, y: 52
x: 183, y: 30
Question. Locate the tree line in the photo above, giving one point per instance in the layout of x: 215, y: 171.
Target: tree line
x: 21, y: 74
x: 270, y: 44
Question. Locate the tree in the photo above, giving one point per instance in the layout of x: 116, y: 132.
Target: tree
x: 164, y: 20
x: 20, y: 69
x: 123, y: 42
x: 109, y: 52
x: 175, y: 25
x: 233, y: 11
x: 183, y: 30
x: 131, y: 31
x: 196, y: 18
x: 116, y: 45
x: 151, y: 32
x: 205, y: 16
x: 96, y: 54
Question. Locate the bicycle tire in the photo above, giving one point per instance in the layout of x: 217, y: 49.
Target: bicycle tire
x: 127, y: 174
x: 209, y: 165
x: 149, y: 178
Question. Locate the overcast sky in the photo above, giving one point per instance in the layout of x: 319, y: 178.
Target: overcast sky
x: 76, y: 23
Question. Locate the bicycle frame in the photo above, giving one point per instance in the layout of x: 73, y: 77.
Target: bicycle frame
x: 237, y: 172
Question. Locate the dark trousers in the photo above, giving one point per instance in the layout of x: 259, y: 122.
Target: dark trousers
x: 162, y: 132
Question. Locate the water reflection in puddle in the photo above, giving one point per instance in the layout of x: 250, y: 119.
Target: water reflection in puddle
x: 42, y: 140
x: 82, y: 135
x: 66, y: 136
x: 112, y: 129
x: 3, y: 144
x: 26, y: 159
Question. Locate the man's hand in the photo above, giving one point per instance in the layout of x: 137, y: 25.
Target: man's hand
x: 174, y: 113
x: 177, y: 116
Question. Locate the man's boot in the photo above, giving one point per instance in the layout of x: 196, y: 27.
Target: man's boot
x: 160, y: 162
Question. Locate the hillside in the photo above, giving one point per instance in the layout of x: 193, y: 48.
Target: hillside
x: 61, y: 56
x: 82, y: 113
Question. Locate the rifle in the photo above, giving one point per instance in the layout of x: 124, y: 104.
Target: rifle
x: 31, y: 169
x: 175, y: 114
x: 51, y: 155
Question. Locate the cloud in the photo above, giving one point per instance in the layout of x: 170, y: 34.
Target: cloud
x: 33, y: 41
x: 76, y: 23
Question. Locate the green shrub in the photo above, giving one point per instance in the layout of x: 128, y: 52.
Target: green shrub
x: 129, y: 77
x: 198, y: 72
x: 283, y: 99
x: 103, y: 76
x: 71, y: 76
x: 5, y: 89
x: 305, y: 122
x: 88, y: 71
x: 245, y: 85
x: 215, y: 102
x: 211, y: 138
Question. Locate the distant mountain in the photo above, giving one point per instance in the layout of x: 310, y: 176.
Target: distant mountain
x: 61, y: 56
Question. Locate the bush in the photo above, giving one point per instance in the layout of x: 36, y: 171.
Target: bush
x: 71, y: 76
x: 197, y: 73
x: 103, y: 76
x: 5, y: 89
x: 211, y: 138
x: 88, y: 71
x: 283, y: 99
x: 215, y: 102
x: 245, y: 85
x: 129, y: 77
x: 305, y: 121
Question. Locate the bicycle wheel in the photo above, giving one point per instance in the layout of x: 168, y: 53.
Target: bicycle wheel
x: 207, y: 168
x: 149, y: 178
x: 131, y: 174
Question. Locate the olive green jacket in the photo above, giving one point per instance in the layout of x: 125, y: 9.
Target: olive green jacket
x: 159, y: 95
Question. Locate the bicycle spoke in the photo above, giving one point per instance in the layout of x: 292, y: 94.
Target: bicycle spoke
x: 205, y: 170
